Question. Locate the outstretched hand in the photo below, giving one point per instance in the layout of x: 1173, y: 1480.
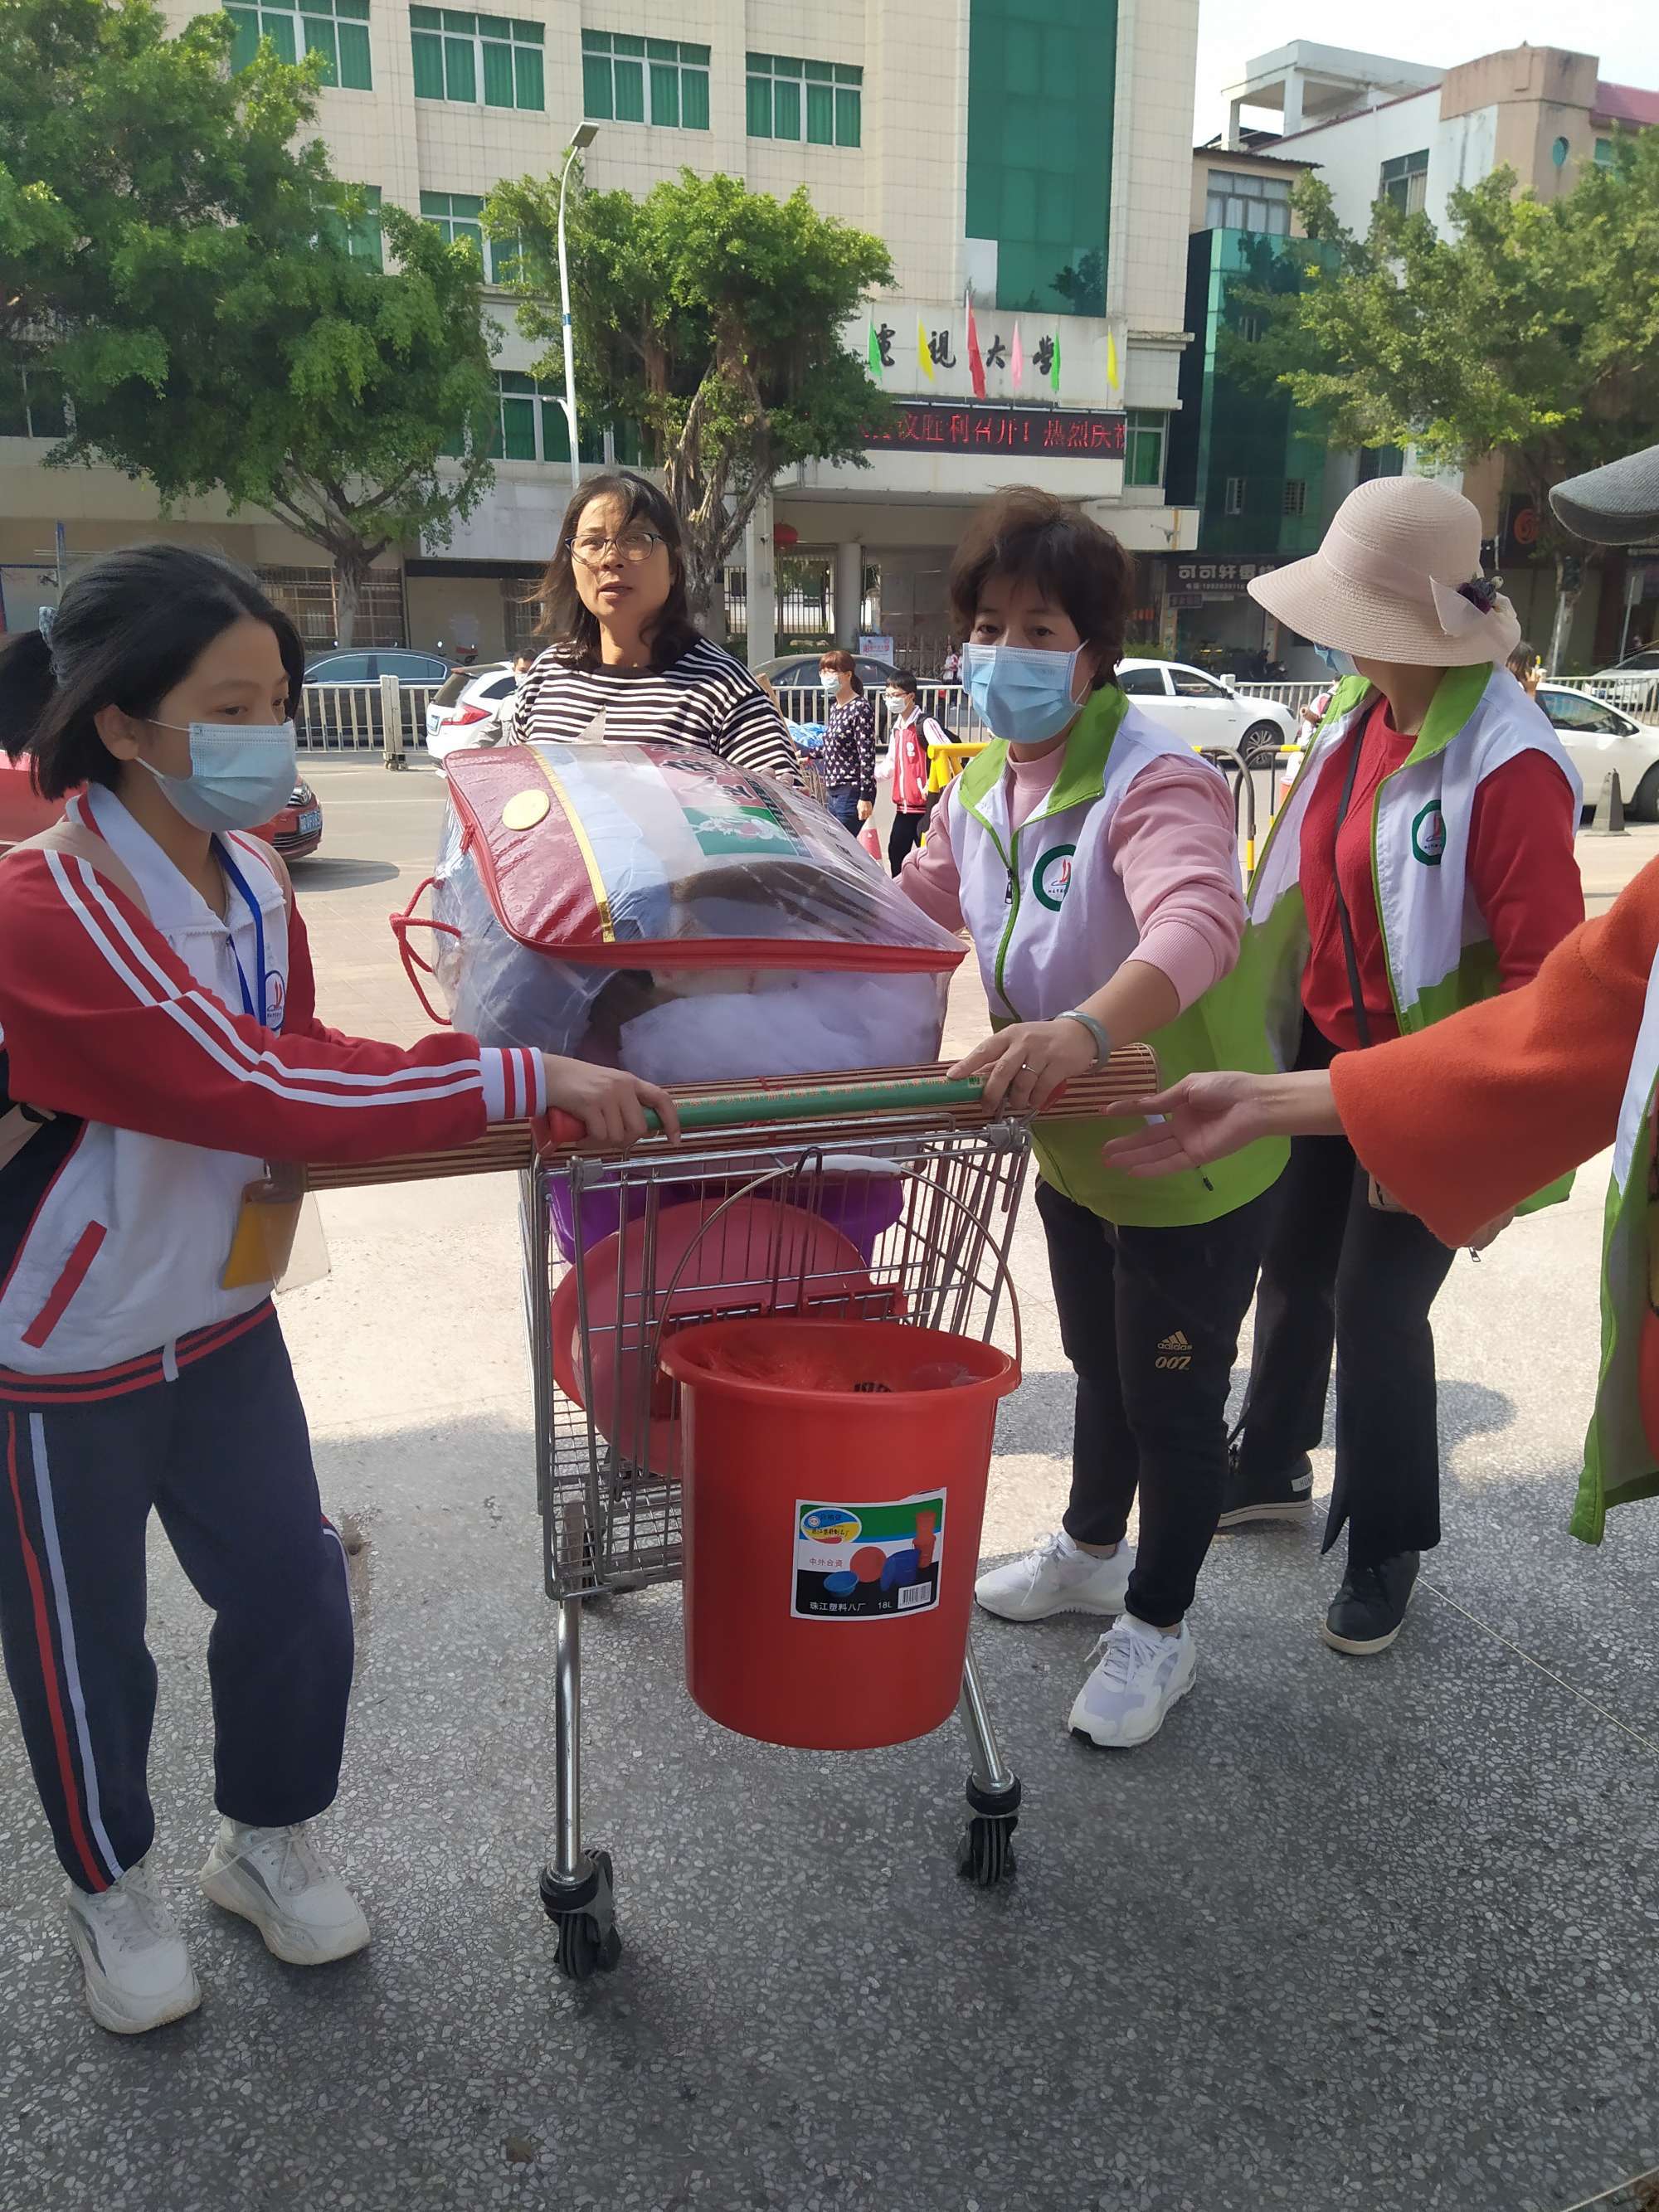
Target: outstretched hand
x: 1200, y: 1119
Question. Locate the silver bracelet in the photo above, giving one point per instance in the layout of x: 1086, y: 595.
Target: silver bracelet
x: 1103, y: 1042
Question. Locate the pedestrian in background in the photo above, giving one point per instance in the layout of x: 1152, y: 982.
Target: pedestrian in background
x: 624, y: 660
x: 1423, y: 860
x: 849, y: 741
x: 161, y: 1044
x: 1092, y: 859
x: 1526, y: 668
x: 911, y: 734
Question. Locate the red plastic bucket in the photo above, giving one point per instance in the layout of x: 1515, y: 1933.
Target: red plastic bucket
x: 836, y: 1486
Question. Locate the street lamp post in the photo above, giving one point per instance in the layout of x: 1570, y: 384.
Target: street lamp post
x: 584, y: 138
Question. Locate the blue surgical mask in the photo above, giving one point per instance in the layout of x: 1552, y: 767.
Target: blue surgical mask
x: 1340, y: 664
x: 830, y: 680
x: 1021, y: 693
x: 240, y: 773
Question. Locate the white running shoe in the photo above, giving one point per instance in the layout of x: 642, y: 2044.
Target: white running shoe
x: 1057, y: 1577
x: 1139, y: 1674
x: 138, y: 1970
x: 279, y: 1880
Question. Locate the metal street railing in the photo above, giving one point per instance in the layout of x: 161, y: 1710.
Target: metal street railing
x: 354, y: 718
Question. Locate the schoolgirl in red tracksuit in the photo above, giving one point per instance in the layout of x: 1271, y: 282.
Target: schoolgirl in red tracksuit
x: 159, y: 1044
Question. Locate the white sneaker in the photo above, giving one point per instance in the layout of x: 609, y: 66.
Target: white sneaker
x: 279, y: 1880
x: 1057, y: 1577
x: 138, y: 1972
x: 1139, y: 1676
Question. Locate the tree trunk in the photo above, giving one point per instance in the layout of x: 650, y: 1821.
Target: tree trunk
x: 350, y: 576
x: 701, y: 582
x: 1565, y: 601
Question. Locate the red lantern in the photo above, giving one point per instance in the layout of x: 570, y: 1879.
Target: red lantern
x: 784, y: 535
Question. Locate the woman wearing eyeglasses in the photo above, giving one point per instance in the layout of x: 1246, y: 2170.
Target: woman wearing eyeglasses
x: 623, y: 659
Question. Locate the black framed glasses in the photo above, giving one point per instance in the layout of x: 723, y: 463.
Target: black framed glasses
x: 634, y: 545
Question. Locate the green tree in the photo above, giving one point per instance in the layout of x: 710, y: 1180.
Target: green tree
x: 1528, y: 329
x: 175, y: 257
x: 711, y: 316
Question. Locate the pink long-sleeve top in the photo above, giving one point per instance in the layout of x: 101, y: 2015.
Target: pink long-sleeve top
x: 1174, y: 847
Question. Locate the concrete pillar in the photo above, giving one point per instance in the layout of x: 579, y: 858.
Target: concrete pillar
x: 848, y: 592
x: 761, y: 583
x: 1234, y: 126
x: 1292, y: 102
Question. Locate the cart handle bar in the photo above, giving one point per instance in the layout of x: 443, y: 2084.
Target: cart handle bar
x: 1129, y: 1070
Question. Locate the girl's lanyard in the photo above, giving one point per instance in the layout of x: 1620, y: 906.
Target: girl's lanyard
x: 255, y: 1009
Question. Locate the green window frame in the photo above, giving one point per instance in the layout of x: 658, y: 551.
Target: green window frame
x: 336, y: 29
x: 627, y: 79
x: 789, y: 98
x: 359, y: 236
x: 495, y: 60
x: 32, y: 404
x: 1145, y: 435
x: 457, y: 214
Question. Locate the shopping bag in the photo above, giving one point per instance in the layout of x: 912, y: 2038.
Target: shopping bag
x: 869, y: 838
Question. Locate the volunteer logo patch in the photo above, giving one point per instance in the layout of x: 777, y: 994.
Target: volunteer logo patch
x: 1429, y: 835
x: 1051, y: 879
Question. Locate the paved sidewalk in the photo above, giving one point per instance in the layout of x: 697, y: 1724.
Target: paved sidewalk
x: 1350, y: 1936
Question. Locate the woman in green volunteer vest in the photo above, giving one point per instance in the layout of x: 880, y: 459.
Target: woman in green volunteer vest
x: 1093, y: 859
x: 1423, y: 860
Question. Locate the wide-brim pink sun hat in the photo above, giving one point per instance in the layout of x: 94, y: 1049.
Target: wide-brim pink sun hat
x: 1397, y: 578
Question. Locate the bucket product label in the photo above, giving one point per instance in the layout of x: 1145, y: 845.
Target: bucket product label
x: 867, y: 1562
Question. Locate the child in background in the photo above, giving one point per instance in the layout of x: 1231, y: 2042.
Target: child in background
x: 912, y: 733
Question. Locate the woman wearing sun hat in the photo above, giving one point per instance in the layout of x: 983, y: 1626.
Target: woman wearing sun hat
x: 1423, y: 860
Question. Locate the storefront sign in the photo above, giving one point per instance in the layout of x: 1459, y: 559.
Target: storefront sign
x: 923, y: 426
x: 1196, y: 583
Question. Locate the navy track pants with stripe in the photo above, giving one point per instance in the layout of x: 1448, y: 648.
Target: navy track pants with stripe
x: 222, y: 1454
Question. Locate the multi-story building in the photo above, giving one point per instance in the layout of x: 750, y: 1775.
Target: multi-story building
x: 1375, y: 127
x: 1036, y: 163
x: 1253, y: 464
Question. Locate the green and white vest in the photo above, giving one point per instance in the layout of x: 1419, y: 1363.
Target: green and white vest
x: 1620, y: 1462
x: 1439, y: 951
x: 1051, y: 924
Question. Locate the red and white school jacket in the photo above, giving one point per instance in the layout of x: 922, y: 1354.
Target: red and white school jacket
x: 911, y: 738
x: 164, y: 1098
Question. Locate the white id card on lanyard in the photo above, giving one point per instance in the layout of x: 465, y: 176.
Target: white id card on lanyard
x: 278, y: 1238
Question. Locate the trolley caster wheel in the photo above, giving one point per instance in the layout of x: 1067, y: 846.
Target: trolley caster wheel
x: 985, y: 1853
x: 585, y: 1913
x: 583, y: 1952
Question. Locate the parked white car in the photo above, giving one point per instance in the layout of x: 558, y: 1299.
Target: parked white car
x: 1599, y: 738
x: 465, y: 713
x: 1190, y: 704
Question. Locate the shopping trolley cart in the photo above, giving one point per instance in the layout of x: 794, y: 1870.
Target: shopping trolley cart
x: 892, y: 1195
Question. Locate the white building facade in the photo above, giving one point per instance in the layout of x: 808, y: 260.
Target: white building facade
x: 1035, y: 165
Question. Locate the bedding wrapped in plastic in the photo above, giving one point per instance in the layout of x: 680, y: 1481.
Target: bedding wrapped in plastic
x: 654, y: 907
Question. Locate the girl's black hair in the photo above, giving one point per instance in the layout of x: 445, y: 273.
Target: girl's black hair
x: 130, y: 627
x: 574, y: 627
